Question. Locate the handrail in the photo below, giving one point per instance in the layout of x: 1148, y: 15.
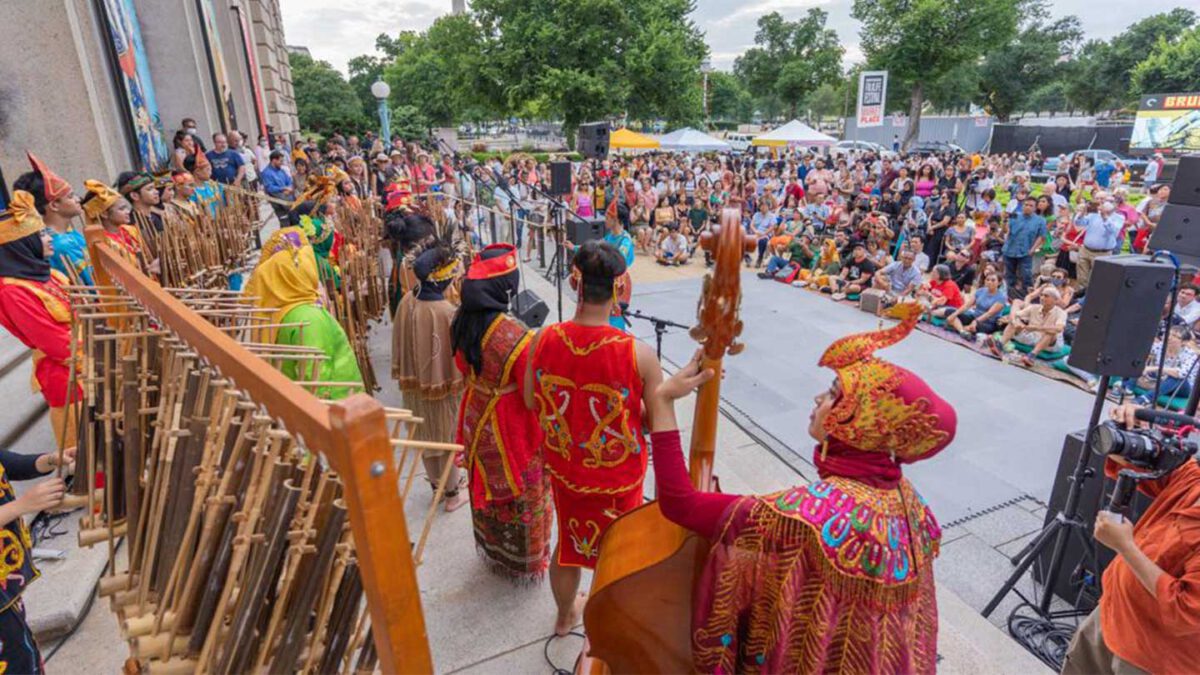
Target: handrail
x: 351, y: 434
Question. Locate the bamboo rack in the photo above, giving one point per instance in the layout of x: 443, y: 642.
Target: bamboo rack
x: 211, y: 379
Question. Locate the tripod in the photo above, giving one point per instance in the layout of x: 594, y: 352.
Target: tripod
x: 558, y: 211
x: 660, y: 327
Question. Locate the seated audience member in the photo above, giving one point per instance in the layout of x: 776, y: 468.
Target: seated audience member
x: 1054, y: 278
x: 672, y: 249
x: 1178, y: 368
x: 918, y: 248
x: 855, y: 275
x: 981, y: 310
x: 901, y: 279
x: 959, y: 236
x: 1038, y: 326
x: 799, y: 253
x: 962, y: 271
x: 1187, y: 307
x: 940, y: 295
x: 829, y: 264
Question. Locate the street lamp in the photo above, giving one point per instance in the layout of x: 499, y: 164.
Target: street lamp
x: 706, y: 68
x: 380, y: 90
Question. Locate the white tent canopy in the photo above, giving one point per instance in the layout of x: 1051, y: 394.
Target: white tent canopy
x: 688, y: 139
x: 793, y: 133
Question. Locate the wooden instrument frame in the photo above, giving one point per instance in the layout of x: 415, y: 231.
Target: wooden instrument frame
x: 352, y: 435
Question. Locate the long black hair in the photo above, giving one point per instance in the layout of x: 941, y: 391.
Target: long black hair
x: 482, y: 301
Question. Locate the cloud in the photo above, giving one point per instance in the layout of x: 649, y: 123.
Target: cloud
x: 337, y: 32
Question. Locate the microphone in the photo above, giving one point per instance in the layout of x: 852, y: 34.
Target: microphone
x: 1164, y: 416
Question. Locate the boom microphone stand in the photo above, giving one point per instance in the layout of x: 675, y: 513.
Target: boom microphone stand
x: 558, y: 210
x: 660, y: 327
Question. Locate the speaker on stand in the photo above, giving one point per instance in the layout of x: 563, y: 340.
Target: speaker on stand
x: 592, y: 140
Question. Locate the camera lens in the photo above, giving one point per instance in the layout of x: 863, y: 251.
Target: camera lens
x: 1107, y: 439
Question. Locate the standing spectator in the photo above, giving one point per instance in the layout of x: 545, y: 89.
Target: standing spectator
x: 1150, y: 211
x: 262, y: 154
x: 1102, y: 232
x: 278, y: 185
x: 1153, y: 169
x: 1026, y: 232
x: 228, y: 167
x: 238, y: 145
x: 189, y: 127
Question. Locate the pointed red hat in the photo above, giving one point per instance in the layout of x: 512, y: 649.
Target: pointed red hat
x: 55, y: 187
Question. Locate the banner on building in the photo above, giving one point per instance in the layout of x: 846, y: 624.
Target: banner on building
x: 872, y: 96
x: 252, y: 65
x: 216, y: 64
x: 131, y: 71
x: 1167, y: 123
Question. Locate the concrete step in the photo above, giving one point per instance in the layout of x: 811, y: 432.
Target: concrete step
x: 59, y: 599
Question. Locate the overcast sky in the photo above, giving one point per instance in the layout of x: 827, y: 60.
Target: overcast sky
x: 336, y: 31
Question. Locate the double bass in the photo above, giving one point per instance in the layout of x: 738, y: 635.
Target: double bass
x: 638, y: 614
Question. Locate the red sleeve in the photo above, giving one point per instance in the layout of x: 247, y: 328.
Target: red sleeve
x: 682, y: 503
x: 37, y: 329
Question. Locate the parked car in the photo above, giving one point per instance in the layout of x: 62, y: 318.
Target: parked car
x: 843, y: 148
x: 739, y: 142
x: 926, y: 148
x: 1136, y: 166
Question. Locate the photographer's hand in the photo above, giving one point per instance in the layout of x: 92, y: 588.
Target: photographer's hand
x: 1116, y: 532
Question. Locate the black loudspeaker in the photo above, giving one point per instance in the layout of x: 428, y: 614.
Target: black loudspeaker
x: 1178, y: 231
x: 1121, y: 315
x: 560, y: 178
x: 580, y: 231
x: 530, y: 309
x: 1094, y: 496
x: 1186, y: 187
x: 592, y: 140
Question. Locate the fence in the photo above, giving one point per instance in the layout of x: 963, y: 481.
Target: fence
x: 1058, y: 140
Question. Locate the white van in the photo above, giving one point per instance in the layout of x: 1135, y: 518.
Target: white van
x: 739, y: 142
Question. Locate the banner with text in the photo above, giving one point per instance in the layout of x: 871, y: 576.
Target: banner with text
x: 872, y: 94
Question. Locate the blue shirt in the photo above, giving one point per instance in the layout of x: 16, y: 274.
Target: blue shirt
x: 225, y: 165
x: 1102, y: 233
x: 623, y: 243
x: 1104, y: 172
x: 900, y: 278
x: 275, y: 181
x: 762, y: 222
x: 985, y: 300
x: 1023, y: 232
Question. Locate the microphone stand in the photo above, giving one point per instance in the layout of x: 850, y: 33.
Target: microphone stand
x: 660, y: 327
x: 557, y: 210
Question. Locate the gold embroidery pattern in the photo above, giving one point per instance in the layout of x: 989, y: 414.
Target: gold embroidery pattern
x: 590, y: 490
x: 605, y: 441
x: 587, y: 349
x: 587, y: 544
x: 553, y: 398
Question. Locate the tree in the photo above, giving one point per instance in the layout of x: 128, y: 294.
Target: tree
x: 443, y: 73
x: 1171, y: 66
x: 590, y: 59
x: 790, y: 60
x: 1100, y: 77
x: 827, y: 100
x: 364, y: 71
x: 408, y: 123
x: 325, y: 102
x: 921, y: 41
x: 728, y: 98
x: 1010, y: 74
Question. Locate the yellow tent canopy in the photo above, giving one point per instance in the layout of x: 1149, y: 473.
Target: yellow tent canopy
x: 624, y: 139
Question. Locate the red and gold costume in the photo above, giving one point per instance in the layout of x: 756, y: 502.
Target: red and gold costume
x: 835, y: 576
x: 589, y: 394
x: 510, y: 490
x: 35, y: 307
x: 125, y: 238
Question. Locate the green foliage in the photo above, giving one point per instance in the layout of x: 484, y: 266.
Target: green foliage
x: 364, y: 71
x: 1035, y: 56
x: 1100, y: 77
x: 789, y: 61
x: 728, y: 98
x: 1171, y: 66
x: 325, y: 102
x: 409, y: 123
x: 828, y: 100
x: 443, y: 72
x: 537, y: 156
x: 921, y: 41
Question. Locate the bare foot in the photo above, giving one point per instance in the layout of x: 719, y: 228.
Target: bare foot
x: 456, y: 502
x: 564, y: 624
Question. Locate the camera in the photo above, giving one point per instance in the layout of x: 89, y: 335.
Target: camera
x: 1155, y: 449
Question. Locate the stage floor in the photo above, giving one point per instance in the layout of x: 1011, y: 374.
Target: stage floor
x: 1011, y: 422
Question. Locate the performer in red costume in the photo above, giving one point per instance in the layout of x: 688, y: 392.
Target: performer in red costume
x: 510, y: 490
x: 835, y: 576
x: 35, y: 308
x: 588, y: 380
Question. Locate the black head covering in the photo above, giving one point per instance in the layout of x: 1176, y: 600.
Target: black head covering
x: 482, y: 300
x: 425, y: 264
x: 25, y: 259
